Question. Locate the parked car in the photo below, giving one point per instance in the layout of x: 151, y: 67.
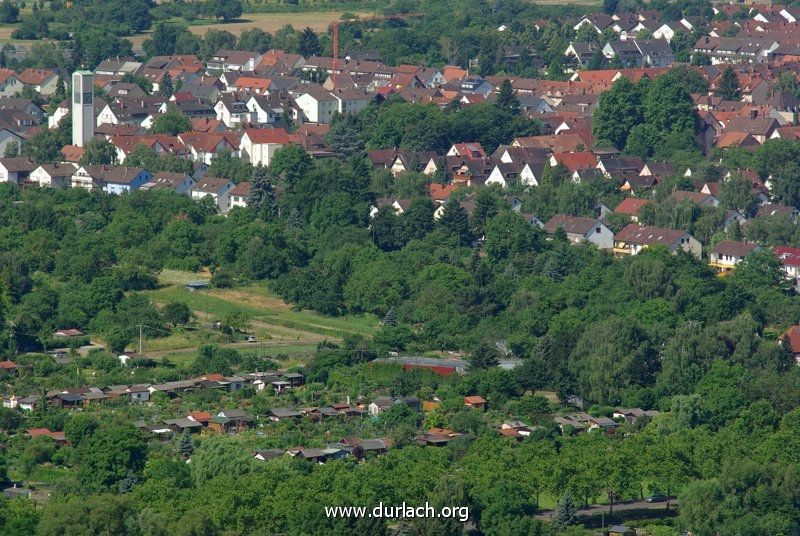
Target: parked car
x: 656, y: 498
x: 251, y: 338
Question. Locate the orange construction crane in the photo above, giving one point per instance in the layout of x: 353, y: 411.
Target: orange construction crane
x: 335, y: 27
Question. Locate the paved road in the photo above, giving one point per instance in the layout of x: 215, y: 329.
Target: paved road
x: 597, y: 509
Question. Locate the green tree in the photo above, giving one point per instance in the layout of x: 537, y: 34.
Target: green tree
x: 618, y: 111
x: 262, y: 192
x: 728, y: 87
x: 455, y: 221
x: 176, y: 313
x: 9, y: 12
x: 186, y: 446
x: 98, y: 151
x: 506, y: 100
x: 108, y: 454
x: 485, y: 355
x: 309, y: 43
x: 80, y: 428
x: 172, y: 122
x: 96, y: 514
x: 166, y: 88
x: 344, y: 136
x: 12, y: 149
x: 566, y: 511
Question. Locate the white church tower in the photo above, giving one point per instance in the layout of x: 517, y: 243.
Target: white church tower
x: 82, y: 107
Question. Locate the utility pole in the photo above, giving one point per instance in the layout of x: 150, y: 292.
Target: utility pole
x: 141, y: 340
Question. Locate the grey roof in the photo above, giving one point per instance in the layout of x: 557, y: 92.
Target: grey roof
x: 284, y: 412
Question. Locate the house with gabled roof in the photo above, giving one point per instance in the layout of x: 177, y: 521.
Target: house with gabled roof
x: 579, y: 229
x: 204, y: 146
x: 259, y: 145
x: 634, y: 238
x: 179, y: 183
x: 239, y: 195
x: 16, y: 169
x: 215, y: 188
x: 728, y: 253
x: 54, y: 175
x: 698, y: 198
x: 111, y: 179
x: 10, y: 84
x: 630, y: 206
x: 234, y: 60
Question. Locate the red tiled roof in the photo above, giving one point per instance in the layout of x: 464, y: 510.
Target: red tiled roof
x: 576, y: 161
x: 631, y: 206
x: 474, y: 400
x: 793, y: 336
x: 268, y: 135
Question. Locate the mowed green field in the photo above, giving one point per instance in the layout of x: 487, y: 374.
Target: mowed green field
x: 269, y: 22
x: 280, y: 329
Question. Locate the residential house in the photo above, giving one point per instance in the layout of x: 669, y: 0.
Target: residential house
x: 316, y: 105
x: 8, y: 136
x: 10, y: 84
x: 626, y: 50
x: 180, y: 183
x: 217, y: 189
x: 698, y: 198
x: 580, y: 229
x: 44, y: 81
x: 111, y: 179
x: 204, y: 146
x: 239, y: 195
x: 791, y: 338
x: 234, y: 60
x: 633, y: 238
x: 774, y: 210
x: 259, y: 145
x: 17, y: 169
x: 53, y: 175
x: 582, y: 53
x: 790, y: 261
x: 232, y: 111
x: 728, y: 253
x: 630, y: 206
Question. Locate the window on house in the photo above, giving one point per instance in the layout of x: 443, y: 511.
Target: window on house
x: 597, y: 229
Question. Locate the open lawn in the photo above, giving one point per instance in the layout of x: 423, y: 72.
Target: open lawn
x: 280, y: 329
x: 269, y: 22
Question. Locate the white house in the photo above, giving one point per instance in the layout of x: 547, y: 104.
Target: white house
x: 9, y: 83
x: 582, y: 230
x: 16, y: 169
x: 634, y: 238
x: 232, y: 111
x: 728, y: 253
x: 216, y: 189
x: 7, y: 136
x: 180, y: 183
x: 53, y: 175
x: 204, y: 146
x: 239, y: 195
x: 264, y: 110
x: 258, y: 145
